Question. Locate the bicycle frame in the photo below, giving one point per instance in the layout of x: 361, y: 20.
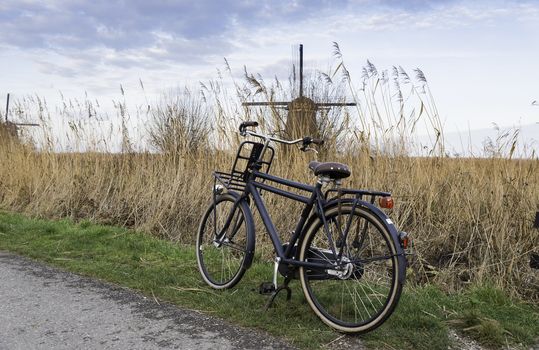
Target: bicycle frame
x: 316, y: 200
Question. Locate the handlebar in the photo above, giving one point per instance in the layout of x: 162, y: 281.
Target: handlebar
x: 306, y: 141
x: 244, y: 125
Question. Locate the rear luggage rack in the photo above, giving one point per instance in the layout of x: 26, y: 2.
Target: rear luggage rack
x: 357, y: 194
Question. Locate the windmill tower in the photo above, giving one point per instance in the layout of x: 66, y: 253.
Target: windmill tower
x: 10, y: 130
x: 301, y: 119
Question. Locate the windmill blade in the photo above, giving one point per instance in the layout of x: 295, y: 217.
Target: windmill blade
x: 249, y: 104
x: 336, y: 104
x: 7, y: 106
x: 25, y: 124
x: 300, y: 70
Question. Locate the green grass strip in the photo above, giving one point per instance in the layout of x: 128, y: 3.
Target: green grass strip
x: 168, y: 271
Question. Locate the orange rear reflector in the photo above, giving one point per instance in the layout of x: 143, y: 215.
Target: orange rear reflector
x: 386, y: 202
x: 405, y: 239
x: 405, y: 242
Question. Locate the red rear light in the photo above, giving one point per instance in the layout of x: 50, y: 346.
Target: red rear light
x: 386, y: 202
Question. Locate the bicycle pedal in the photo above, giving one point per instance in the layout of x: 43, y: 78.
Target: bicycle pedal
x: 266, y: 288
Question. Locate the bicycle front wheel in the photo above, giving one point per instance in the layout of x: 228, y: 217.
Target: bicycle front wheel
x: 223, y: 255
x: 363, y: 288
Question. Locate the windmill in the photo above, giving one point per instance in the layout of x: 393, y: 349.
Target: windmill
x: 301, y: 119
x: 10, y: 129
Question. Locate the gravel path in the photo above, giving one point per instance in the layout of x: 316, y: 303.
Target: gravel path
x: 45, y: 308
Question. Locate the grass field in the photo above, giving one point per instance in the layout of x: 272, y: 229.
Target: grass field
x: 166, y: 270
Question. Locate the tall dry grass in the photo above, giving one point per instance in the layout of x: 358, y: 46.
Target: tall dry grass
x: 471, y: 218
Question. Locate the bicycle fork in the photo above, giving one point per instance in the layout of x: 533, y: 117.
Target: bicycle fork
x: 220, y: 237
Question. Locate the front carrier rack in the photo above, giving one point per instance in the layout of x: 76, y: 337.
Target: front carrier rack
x: 248, y: 154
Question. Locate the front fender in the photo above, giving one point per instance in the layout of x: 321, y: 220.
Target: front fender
x: 249, y: 222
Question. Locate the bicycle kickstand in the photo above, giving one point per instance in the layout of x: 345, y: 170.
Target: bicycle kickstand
x: 274, y: 295
x: 280, y: 288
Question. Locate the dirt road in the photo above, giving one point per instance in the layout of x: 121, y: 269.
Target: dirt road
x: 45, y: 308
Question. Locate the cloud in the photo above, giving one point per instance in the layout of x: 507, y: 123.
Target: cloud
x: 139, y: 31
x: 159, y: 34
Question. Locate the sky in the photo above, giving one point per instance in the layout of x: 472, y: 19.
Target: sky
x: 479, y: 57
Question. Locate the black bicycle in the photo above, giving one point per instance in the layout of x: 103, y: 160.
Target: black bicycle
x: 345, y: 250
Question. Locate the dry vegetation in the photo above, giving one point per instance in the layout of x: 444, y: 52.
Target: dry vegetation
x: 471, y: 218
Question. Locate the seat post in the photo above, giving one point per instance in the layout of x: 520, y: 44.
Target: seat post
x: 326, y: 180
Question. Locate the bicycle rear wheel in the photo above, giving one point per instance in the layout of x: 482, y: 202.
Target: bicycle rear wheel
x: 361, y: 292
x: 224, y: 255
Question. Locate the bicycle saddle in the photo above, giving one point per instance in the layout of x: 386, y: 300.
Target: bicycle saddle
x: 332, y: 169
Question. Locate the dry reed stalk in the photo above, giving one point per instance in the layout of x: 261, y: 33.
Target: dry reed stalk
x: 470, y: 218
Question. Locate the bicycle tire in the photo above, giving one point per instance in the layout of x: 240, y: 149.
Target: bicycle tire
x: 222, y: 262
x: 361, y: 299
